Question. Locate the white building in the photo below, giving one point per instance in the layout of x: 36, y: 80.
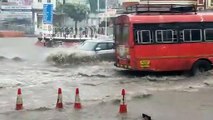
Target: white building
x: 38, y: 4
x: 16, y: 15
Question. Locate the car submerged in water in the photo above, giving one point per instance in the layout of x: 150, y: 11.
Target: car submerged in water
x: 102, y: 49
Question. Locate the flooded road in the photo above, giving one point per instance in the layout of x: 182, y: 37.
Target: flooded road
x: 163, y: 96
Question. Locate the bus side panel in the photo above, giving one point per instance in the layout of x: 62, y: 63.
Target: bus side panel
x: 170, y: 57
x: 196, y: 51
x: 159, y: 58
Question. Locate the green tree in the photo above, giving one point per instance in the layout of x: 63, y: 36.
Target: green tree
x: 77, y: 12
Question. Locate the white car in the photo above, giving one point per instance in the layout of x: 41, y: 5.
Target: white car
x: 104, y: 49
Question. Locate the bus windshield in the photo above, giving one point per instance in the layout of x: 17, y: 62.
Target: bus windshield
x: 121, y: 34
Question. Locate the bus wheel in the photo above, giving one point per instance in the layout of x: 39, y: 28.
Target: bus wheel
x: 200, y: 66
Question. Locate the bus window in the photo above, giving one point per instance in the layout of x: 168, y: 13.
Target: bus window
x: 164, y: 36
x: 117, y: 33
x: 125, y: 33
x: 121, y: 34
x: 192, y: 35
x: 143, y: 37
x: 196, y: 35
x: 186, y: 35
x: 208, y: 34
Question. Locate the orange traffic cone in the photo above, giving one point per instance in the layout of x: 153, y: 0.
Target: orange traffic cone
x: 77, y: 104
x: 19, y: 101
x: 123, y: 106
x: 59, y: 103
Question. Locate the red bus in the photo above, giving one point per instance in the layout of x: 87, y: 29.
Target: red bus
x: 179, y: 41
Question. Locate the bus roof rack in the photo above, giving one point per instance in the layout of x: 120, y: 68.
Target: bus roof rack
x: 160, y: 8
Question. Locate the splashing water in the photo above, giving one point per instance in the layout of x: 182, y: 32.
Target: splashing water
x: 74, y: 56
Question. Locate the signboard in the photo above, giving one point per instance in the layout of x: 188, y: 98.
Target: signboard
x: 47, y: 29
x: 12, y: 12
x: 47, y: 19
x: 111, y: 13
x: 47, y: 13
x: 108, y: 13
x: 15, y: 15
x: 13, y: 7
x: 20, y: 2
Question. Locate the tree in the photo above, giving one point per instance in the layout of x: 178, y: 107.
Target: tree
x: 77, y: 12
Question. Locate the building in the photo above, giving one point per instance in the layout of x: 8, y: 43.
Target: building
x: 208, y: 4
x: 16, y: 15
x: 24, y: 15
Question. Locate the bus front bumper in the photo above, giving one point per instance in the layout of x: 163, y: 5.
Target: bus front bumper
x: 122, y: 66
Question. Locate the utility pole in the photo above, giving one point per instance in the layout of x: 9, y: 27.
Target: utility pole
x: 106, y: 9
x: 98, y: 6
x: 98, y: 11
x: 64, y: 2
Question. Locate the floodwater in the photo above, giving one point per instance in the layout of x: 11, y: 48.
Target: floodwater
x: 39, y: 72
